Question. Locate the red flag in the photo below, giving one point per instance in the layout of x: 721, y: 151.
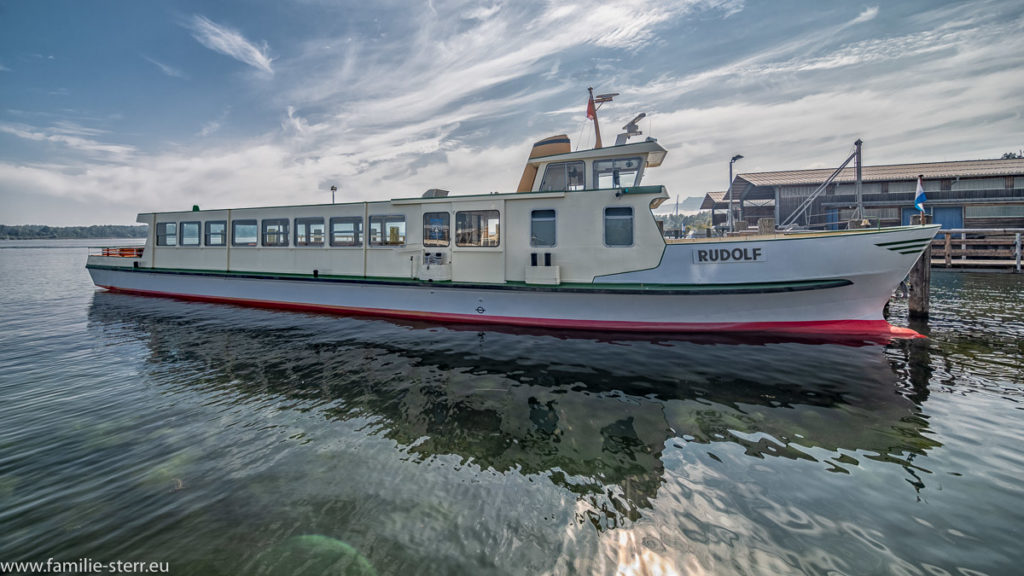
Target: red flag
x: 591, y: 111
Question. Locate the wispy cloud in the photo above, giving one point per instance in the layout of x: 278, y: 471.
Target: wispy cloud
x: 214, y: 126
x: 166, y: 69
x: 4, y: 68
x: 70, y: 135
x: 230, y: 43
x: 867, y: 15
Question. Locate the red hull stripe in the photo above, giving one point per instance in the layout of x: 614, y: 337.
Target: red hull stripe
x: 872, y: 328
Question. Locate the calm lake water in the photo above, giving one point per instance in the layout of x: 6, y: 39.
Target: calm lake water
x: 225, y: 440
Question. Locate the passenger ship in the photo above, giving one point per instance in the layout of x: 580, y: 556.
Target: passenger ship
x: 577, y: 246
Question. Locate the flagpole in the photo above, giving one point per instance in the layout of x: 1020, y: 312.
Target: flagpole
x: 919, y: 197
x: 592, y: 111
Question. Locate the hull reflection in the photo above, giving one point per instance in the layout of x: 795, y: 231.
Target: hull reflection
x: 591, y: 414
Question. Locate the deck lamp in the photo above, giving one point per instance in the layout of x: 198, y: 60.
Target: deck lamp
x: 333, y: 190
x: 734, y: 159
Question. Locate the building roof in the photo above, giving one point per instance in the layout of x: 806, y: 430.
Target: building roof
x: 891, y: 173
x: 717, y: 200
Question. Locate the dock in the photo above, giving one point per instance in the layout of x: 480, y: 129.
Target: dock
x: 978, y: 248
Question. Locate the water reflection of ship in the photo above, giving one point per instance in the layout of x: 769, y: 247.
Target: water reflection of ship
x: 592, y: 416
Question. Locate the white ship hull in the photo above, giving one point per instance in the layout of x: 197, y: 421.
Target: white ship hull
x: 823, y: 284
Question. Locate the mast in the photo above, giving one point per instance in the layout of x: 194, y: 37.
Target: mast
x: 592, y: 105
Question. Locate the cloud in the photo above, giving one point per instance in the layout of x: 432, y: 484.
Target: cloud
x: 70, y: 135
x: 166, y: 69
x: 214, y: 126
x: 867, y: 15
x: 230, y: 43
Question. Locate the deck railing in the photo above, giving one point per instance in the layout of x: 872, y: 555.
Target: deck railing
x: 978, y: 248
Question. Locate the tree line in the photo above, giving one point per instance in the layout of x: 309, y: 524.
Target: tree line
x: 696, y: 222
x: 41, y: 232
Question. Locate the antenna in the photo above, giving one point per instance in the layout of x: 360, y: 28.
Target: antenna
x: 631, y: 129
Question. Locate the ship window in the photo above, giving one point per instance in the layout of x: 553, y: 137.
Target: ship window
x: 189, y: 233
x: 617, y: 173
x: 477, y: 228
x: 244, y: 232
x: 436, y: 228
x: 309, y: 231
x: 542, y: 228
x: 387, y: 230
x: 216, y: 233
x: 167, y: 234
x: 563, y: 176
x: 618, y: 226
x: 347, y: 231
x: 275, y: 232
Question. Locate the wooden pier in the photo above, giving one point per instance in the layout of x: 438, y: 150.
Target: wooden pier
x: 978, y: 248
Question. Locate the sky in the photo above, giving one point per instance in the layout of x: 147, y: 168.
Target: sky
x: 109, y: 108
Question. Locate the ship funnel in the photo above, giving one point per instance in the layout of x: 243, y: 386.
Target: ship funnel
x: 547, y: 147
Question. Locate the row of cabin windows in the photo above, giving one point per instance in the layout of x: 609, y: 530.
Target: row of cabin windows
x: 339, y: 231
x: 472, y: 228
x: 614, y: 173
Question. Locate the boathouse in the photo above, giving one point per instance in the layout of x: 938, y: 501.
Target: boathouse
x: 961, y: 194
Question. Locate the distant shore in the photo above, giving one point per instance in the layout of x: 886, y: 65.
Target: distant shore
x: 41, y: 232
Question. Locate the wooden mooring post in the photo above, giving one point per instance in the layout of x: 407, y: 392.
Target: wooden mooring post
x: 920, y: 278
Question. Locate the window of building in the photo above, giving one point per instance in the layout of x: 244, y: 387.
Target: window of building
x: 436, y: 229
x: 563, y: 176
x: 618, y: 226
x: 387, y: 230
x: 309, y: 231
x: 477, y: 228
x: 190, y: 233
x: 167, y: 234
x: 275, y: 232
x: 216, y: 233
x: 244, y: 232
x: 542, y: 228
x: 347, y: 231
x: 617, y: 173
x: 994, y: 211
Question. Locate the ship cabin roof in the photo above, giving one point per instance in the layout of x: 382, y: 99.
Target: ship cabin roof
x: 553, y: 166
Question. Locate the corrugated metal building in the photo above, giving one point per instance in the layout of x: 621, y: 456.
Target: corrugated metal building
x: 963, y: 194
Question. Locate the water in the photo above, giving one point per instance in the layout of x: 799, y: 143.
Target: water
x: 225, y: 440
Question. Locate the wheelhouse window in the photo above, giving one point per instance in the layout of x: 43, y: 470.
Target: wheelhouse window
x: 347, y: 231
x: 216, y: 233
x: 542, y: 228
x: 436, y: 229
x: 563, y: 176
x: 309, y: 231
x: 618, y: 226
x: 387, y: 230
x: 167, y: 234
x: 477, y: 228
x: 244, y: 232
x: 190, y: 233
x: 275, y: 232
x: 617, y: 173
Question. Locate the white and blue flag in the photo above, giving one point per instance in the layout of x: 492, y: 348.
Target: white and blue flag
x: 920, y: 198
